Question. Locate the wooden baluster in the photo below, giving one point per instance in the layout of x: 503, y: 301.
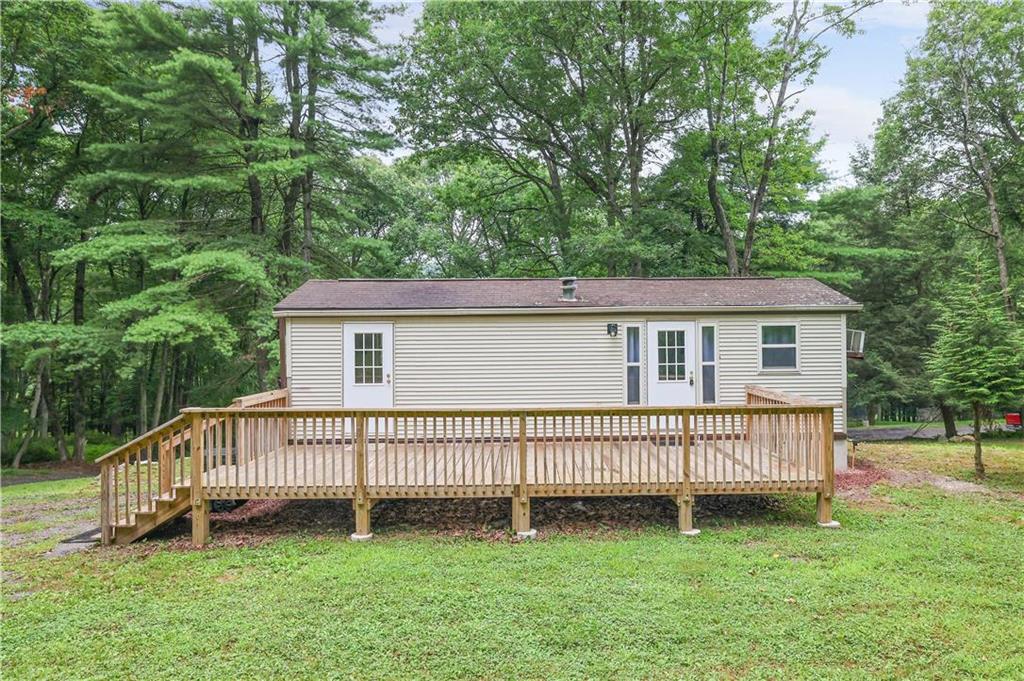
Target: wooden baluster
x: 150, y: 504
x: 138, y: 480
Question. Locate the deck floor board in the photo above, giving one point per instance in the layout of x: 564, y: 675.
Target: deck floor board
x: 478, y: 467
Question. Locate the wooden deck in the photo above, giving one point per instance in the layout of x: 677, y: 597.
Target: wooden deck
x: 259, y: 448
x: 318, y: 469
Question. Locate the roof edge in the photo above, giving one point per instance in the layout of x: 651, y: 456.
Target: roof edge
x: 490, y: 311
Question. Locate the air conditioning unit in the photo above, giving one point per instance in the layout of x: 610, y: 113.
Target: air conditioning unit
x: 855, y: 344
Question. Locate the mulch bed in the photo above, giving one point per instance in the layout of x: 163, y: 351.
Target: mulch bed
x: 256, y: 522
x: 863, y: 475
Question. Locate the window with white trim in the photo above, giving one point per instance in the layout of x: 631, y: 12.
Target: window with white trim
x: 778, y: 347
x: 632, y: 365
x: 672, y: 355
x: 707, y: 364
x: 369, y: 358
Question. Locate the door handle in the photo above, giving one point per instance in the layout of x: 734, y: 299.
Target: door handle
x: 691, y: 378
x: 387, y: 377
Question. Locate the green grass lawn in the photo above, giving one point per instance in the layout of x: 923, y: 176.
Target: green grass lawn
x: 918, y: 583
x: 1003, y: 457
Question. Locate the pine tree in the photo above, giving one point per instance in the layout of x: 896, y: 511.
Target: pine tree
x: 978, y: 357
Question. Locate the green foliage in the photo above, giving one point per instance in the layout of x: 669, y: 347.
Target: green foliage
x: 978, y: 356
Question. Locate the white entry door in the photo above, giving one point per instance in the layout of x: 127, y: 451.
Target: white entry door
x: 369, y: 365
x: 671, y: 363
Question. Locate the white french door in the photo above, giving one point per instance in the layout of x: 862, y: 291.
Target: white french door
x: 369, y: 365
x: 671, y: 363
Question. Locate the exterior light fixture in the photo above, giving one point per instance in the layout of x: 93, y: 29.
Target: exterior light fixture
x: 613, y: 330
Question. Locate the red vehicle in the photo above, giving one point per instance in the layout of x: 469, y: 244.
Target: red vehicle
x: 1013, y: 421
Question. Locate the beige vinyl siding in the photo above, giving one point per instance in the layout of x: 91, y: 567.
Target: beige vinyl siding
x: 822, y: 354
x: 508, y: 362
x: 555, y: 360
x: 315, y: 359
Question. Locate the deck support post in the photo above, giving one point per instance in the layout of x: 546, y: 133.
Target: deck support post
x: 106, y: 534
x: 200, y: 505
x: 361, y: 504
x: 362, y: 514
x: 685, y: 500
x: 200, y: 522
x: 685, y: 504
x: 521, y: 517
x: 828, y: 486
x: 825, y: 512
x: 521, y: 500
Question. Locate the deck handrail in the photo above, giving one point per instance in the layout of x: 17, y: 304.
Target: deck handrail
x: 808, y: 407
x: 148, y: 435
x: 757, y: 394
x: 269, y: 398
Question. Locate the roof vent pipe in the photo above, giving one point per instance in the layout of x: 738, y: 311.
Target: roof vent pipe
x: 569, y: 289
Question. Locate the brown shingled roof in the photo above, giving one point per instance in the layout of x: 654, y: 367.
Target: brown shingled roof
x: 541, y: 294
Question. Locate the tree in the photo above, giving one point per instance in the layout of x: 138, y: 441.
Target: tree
x: 978, y: 357
x: 152, y: 175
x: 756, y: 145
x: 572, y: 98
x: 955, y: 123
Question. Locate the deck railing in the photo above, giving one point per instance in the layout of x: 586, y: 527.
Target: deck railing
x: 136, y: 475
x: 271, y: 451
x: 303, y: 453
x: 153, y: 466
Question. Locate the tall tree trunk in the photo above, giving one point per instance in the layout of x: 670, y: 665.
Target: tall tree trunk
x: 18, y: 272
x: 172, y: 404
x: 722, y: 220
x: 142, y: 414
x: 996, y: 227
x: 948, y: 420
x: 312, y: 84
x: 55, y: 426
x: 979, y: 466
x: 713, y: 110
x: 791, y: 43
x: 32, y: 414
x: 79, y: 385
x: 293, y: 87
x: 161, y: 381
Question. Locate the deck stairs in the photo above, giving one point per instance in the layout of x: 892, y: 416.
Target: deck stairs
x: 168, y: 507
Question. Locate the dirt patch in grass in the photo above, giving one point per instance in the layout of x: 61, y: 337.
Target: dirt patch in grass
x: 48, y: 471
x: 257, y: 522
x: 33, y: 518
x: 857, y: 483
x: 942, y: 482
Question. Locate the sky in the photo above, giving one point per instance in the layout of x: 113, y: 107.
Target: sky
x: 847, y: 95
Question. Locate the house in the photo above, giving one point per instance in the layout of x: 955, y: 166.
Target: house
x: 515, y: 388
x: 509, y: 343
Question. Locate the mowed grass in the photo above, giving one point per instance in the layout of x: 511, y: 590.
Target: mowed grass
x: 918, y: 583
x: 1003, y: 458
